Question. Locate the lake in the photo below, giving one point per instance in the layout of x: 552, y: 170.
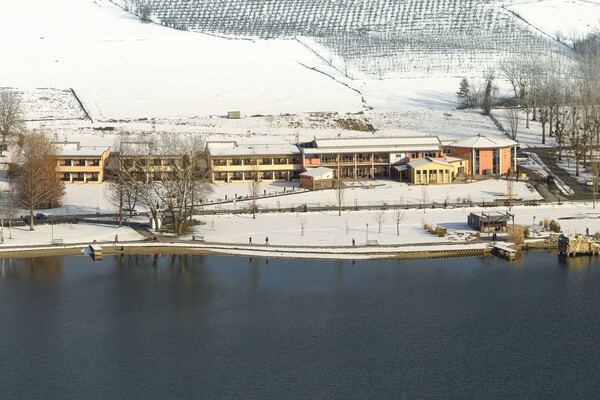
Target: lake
x: 214, y: 327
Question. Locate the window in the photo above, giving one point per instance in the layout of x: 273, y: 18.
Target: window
x: 496, y: 161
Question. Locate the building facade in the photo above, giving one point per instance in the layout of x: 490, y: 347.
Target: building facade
x: 368, y: 158
x: 317, y: 178
x: 425, y: 171
x: 230, y: 162
x: 487, y: 156
x: 80, y: 164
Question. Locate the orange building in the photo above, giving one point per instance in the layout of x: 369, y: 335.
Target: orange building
x: 487, y: 156
x: 80, y: 164
x: 368, y: 157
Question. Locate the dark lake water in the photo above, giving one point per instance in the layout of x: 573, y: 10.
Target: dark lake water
x: 143, y: 327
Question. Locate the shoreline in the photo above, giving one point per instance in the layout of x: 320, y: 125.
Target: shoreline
x: 420, y: 251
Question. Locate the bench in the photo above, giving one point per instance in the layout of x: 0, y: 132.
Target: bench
x: 198, y: 238
x: 372, y: 242
x: 57, y: 242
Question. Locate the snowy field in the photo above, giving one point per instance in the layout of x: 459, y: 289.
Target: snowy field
x: 566, y: 19
x: 382, y: 192
x: 122, y: 68
x: 91, y: 199
x: 69, y: 233
x: 329, y: 229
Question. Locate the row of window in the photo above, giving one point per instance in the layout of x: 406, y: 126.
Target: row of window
x: 79, y: 163
x: 80, y: 177
x: 266, y: 175
x: 221, y: 162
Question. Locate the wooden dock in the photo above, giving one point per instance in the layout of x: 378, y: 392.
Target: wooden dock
x: 504, y: 251
x: 93, y: 250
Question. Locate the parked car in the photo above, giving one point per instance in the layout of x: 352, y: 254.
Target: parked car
x: 130, y: 211
x: 522, y: 157
x: 36, y: 218
x: 550, y: 179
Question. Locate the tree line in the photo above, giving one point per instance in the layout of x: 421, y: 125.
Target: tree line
x: 563, y: 96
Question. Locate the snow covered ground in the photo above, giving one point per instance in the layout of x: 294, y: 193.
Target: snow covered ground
x: 91, y: 199
x: 122, y: 68
x: 329, y: 229
x: 527, y: 137
x: 69, y: 233
x: 559, y: 18
x: 373, y: 193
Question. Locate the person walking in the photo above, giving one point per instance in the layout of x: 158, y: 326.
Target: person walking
x: 267, y: 240
x: 250, y: 240
x: 353, y: 242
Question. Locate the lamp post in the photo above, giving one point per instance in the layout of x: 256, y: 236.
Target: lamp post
x: 367, y: 233
x: 533, y: 225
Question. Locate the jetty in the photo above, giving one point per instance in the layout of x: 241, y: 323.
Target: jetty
x: 577, y: 245
x: 93, y: 250
x: 504, y: 251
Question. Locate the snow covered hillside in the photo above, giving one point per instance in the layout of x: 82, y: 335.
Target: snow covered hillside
x: 560, y: 19
x: 376, y: 38
x: 121, y: 68
x: 127, y: 73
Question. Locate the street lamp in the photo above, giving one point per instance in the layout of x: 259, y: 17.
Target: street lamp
x: 533, y: 226
x: 367, y: 233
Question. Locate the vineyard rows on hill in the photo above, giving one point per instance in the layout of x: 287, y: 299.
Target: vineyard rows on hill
x: 381, y: 38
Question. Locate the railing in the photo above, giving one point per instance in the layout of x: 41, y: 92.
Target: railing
x: 244, y: 206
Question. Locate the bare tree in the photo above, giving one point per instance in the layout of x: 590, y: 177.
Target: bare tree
x: 302, y: 225
x: 254, y: 188
x: 544, y: 118
x: 514, y: 72
x: 560, y: 127
x: 510, y: 183
x: 35, y: 181
x: 398, y: 217
x: 182, y: 176
x: 512, y: 115
x: 424, y: 195
x: 8, y: 210
x: 339, y: 194
x: 380, y: 218
x: 11, y: 118
x: 123, y: 170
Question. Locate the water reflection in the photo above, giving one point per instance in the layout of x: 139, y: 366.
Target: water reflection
x: 36, y: 268
x: 181, y: 326
x: 581, y: 262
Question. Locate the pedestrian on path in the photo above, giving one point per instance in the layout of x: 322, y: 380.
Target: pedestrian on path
x: 250, y: 240
x: 267, y: 240
x: 117, y: 238
x: 353, y: 242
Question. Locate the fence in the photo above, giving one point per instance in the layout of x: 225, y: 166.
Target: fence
x: 372, y: 205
